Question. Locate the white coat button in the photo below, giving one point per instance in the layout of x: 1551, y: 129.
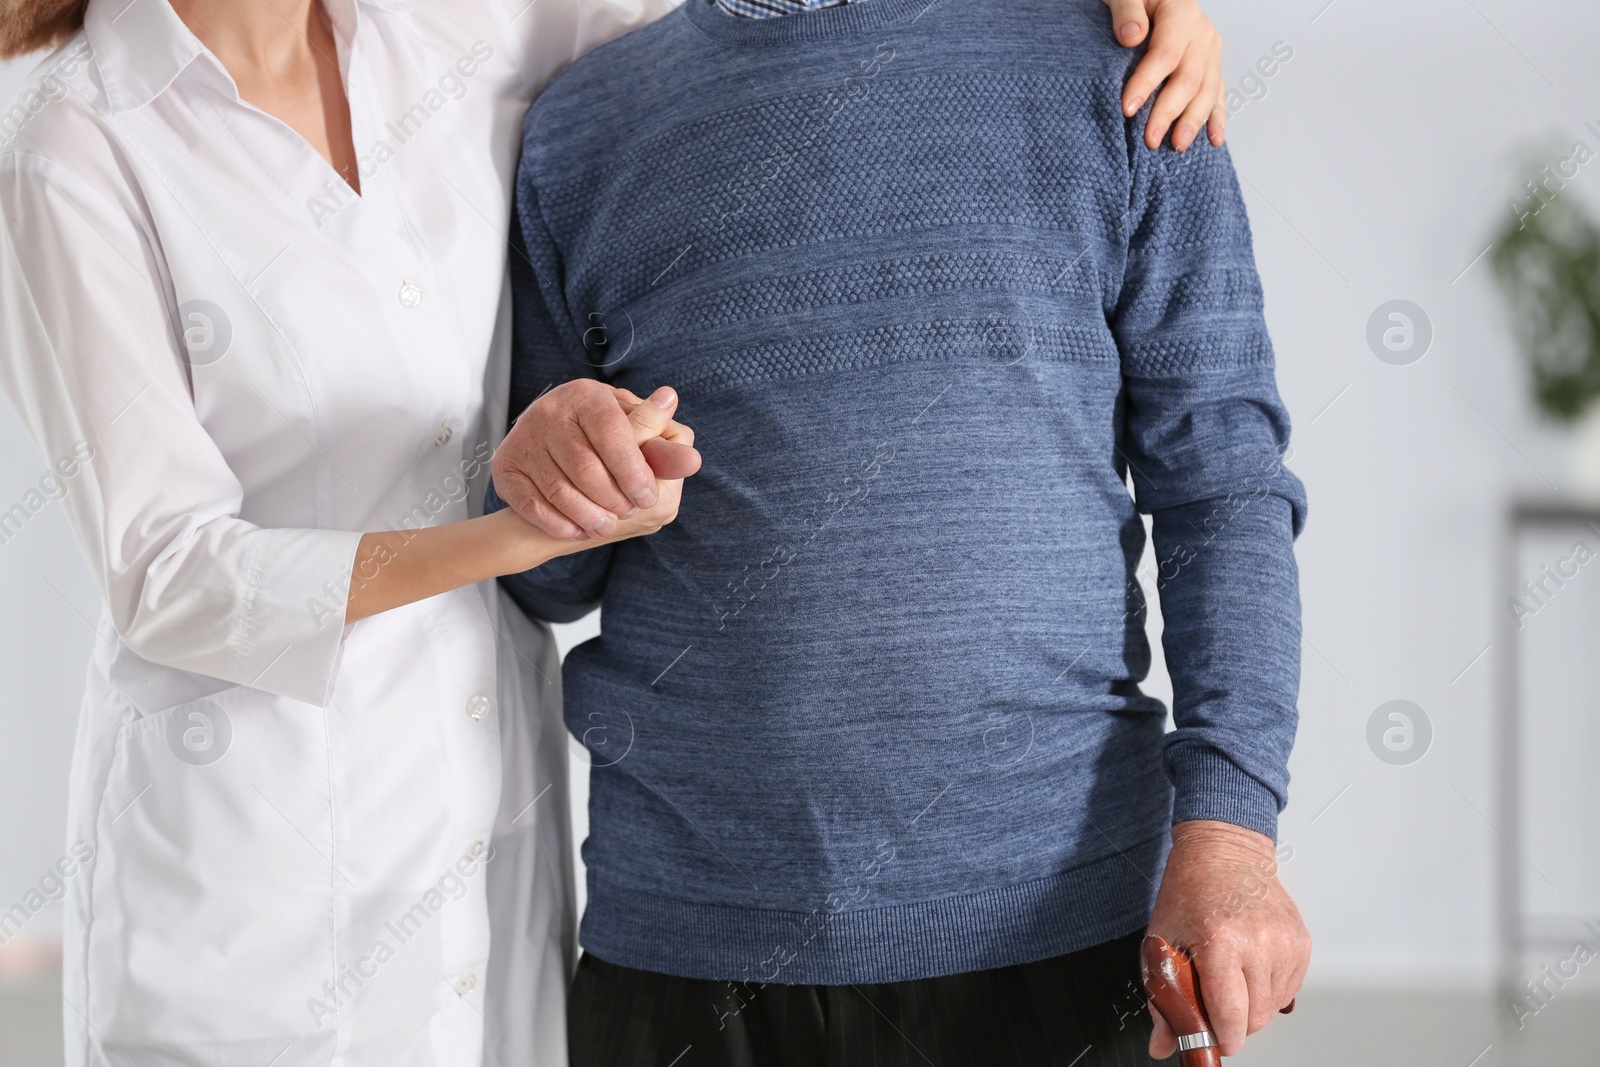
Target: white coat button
x: 478, y: 706
x: 442, y: 435
x: 466, y: 983
x: 410, y: 295
x: 473, y: 851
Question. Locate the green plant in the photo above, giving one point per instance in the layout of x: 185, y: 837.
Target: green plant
x: 1547, y: 262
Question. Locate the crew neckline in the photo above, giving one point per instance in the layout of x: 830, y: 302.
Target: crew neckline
x: 862, y: 16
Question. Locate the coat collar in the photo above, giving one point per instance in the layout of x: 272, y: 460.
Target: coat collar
x: 142, y: 46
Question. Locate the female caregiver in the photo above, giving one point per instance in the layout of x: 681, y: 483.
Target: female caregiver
x: 253, y: 297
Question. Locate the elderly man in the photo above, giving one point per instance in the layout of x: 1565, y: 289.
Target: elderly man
x: 874, y: 779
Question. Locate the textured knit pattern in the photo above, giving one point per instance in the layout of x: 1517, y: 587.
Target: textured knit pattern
x: 870, y: 710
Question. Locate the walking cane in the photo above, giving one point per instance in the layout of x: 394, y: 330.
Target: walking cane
x: 1174, y: 989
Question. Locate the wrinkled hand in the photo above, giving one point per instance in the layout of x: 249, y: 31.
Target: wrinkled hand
x: 585, y: 456
x: 1221, y: 900
x: 1185, y: 51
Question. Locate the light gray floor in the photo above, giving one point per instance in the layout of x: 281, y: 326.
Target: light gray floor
x: 1328, y: 1029
x: 1375, y: 1029
x: 30, y: 1024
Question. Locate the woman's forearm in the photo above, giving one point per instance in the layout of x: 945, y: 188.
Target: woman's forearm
x: 398, y: 567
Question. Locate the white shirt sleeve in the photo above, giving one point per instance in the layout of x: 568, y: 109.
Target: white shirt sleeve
x: 550, y: 34
x: 89, y: 356
x: 602, y: 20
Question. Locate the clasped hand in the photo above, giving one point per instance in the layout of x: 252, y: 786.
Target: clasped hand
x: 588, y: 461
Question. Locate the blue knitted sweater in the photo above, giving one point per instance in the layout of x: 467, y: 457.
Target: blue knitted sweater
x: 870, y: 710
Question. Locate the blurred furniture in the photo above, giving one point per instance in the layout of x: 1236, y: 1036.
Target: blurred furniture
x: 1548, y: 798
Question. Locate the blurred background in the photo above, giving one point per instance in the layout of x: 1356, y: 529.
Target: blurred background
x: 1422, y: 178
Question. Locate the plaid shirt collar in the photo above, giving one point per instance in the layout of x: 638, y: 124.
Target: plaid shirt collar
x: 771, y: 9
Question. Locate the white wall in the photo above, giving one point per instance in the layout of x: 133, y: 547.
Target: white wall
x: 1377, y: 164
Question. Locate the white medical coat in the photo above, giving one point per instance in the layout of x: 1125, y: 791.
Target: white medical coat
x: 311, y: 843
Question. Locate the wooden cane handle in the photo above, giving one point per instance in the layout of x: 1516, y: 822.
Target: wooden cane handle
x: 1174, y: 989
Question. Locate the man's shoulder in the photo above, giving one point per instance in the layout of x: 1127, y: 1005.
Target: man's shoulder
x: 615, y: 84
x: 665, y: 71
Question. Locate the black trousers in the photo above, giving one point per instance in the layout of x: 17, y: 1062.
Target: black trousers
x: 1086, y: 1009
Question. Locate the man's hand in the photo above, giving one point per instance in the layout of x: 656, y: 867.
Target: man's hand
x: 585, y: 455
x: 1221, y: 900
x: 1185, y: 51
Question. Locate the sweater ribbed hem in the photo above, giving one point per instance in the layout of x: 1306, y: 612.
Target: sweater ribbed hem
x: 1209, y: 785
x: 999, y: 927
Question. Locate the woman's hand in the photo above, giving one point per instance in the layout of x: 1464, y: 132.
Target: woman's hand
x: 393, y: 568
x: 669, y: 491
x: 650, y: 520
x: 524, y: 546
x: 1185, y: 52
x: 398, y: 567
x: 585, y: 456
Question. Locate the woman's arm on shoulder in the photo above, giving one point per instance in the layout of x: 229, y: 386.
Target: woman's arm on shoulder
x: 1183, y: 61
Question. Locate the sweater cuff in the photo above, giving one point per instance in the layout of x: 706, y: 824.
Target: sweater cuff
x: 1209, y: 785
x: 491, y: 500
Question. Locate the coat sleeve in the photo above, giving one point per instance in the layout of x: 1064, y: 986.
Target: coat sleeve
x: 1205, y: 435
x: 91, y: 360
